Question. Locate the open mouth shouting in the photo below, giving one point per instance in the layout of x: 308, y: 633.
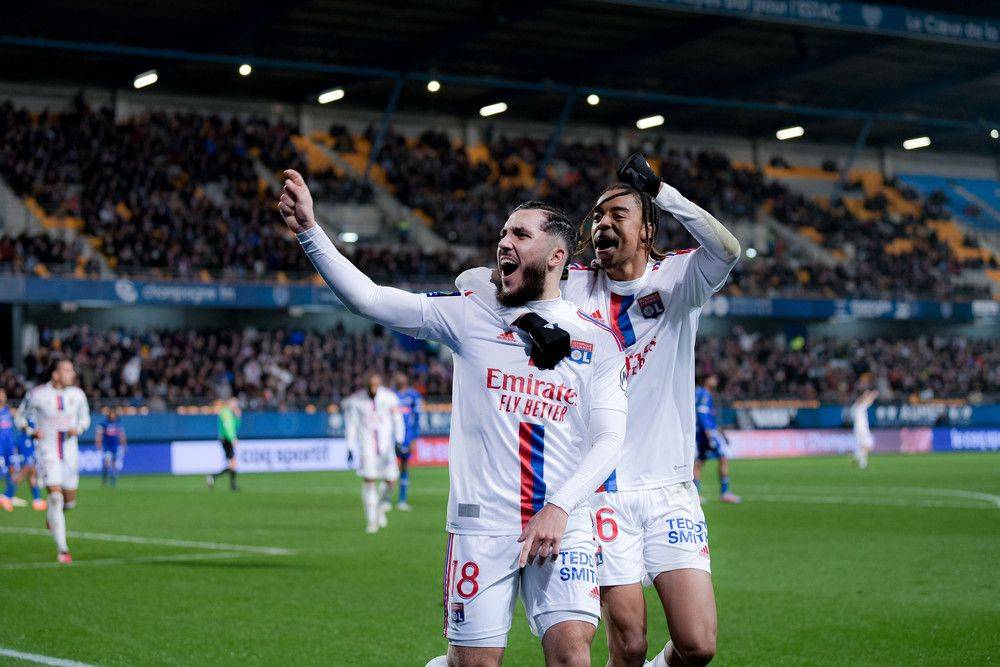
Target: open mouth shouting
x: 507, y: 265
x: 605, y: 244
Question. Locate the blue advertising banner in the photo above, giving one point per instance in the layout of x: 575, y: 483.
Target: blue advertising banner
x: 966, y: 440
x: 846, y: 15
x: 185, y: 457
x: 144, y: 459
x: 29, y: 289
x: 255, y: 425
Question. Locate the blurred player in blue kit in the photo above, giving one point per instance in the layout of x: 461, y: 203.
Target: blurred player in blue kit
x: 111, y: 444
x: 411, y: 405
x: 712, y: 443
x: 17, y: 461
x: 7, y: 437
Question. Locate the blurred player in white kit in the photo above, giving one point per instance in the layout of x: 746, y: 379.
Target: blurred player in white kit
x: 648, y: 515
x: 373, y: 427
x: 863, y: 439
x: 538, y: 419
x: 60, y: 413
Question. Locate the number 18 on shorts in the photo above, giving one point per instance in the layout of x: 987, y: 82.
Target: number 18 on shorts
x: 482, y: 582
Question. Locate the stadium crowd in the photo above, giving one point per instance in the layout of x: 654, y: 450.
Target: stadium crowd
x: 182, y: 193
x: 284, y: 368
x: 835, y: 370
x: 928, y: 271
x: 170, y: 192
x: 27, y: 253
x: 273, y: 369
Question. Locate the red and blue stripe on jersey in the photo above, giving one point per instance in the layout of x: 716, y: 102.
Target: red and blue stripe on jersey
x: 60, y: 435
x: 602, y: 325
x: 531, y: 451
x: 610, y: 484
x: 446, y: 584
x: 620, y: 323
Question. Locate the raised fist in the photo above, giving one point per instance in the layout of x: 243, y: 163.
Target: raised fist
x: 635, y: 171
x: 296, y: 204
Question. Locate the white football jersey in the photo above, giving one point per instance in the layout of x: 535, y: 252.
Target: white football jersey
x: 374, y: 424
x: 518, y: 432
x: 862, y: 431
x: 656, y: 317
x: 55, y: 411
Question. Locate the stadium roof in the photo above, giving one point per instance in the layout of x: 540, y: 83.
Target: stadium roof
x: 706, y: 70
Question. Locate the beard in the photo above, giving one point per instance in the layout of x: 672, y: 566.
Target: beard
x: 531, y: 289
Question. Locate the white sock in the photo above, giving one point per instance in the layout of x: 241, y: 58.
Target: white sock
x: 370, y: 499
x: 57, y: 520
x: 661, y: 658
x: 863, y: 458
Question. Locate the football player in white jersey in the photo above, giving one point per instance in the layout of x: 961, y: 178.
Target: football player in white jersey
x: 373, y: 426
x: 60, y: 413
x: 863, y: 440
x: 538, y: 421
x: 648, y: 515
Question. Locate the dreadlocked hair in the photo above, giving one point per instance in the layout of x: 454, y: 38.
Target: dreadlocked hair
x: 650, y: 219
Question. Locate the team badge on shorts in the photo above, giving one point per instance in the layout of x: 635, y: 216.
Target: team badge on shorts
x: 457, y: 612
x: 651, y: 305
x: 581, y: 352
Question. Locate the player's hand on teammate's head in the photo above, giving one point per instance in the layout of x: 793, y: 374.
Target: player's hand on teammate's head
x: 635, y: 171
x: 542, y: 535
x: 295, y: 204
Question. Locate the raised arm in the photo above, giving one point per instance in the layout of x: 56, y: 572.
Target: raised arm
x: 388, y: 306
x: 82, y: 415
x: 24, y: 413
x: 608, y: 432
x: 721, y: 249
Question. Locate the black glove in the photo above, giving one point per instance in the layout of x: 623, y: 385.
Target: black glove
x: 549, y: 343
x: 635, y: 171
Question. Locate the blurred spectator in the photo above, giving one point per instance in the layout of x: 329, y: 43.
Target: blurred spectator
x: 264, y: 368
x: 755, y: 366
x: 279, y: 369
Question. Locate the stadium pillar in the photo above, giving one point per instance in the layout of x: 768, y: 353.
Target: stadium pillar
x: 11, y: 317
x: 557, y: 132
x: 383, y: 128
x: 858, y: 145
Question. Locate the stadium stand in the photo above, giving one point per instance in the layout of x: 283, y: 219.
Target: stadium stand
x: 974, y: 201
x: 195, y: 192
x: 834, y: 370
x: 266, y: 369
x: 285, y: 368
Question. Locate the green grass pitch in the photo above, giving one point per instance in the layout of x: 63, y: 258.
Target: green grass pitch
x: 822, y: 565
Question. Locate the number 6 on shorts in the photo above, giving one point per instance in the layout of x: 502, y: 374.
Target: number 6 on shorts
x: 607, y: 527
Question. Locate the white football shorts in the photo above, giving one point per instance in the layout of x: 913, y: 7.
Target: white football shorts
x: 482, y: 582
x: 378, y: 465
x: 643, y: 533
x: 54, y: 471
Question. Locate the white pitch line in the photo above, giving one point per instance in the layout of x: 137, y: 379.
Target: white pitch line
x: 103, y: 562
x: 893, y: 490
x: 41, y: 659
x: 157, y: 541
x: 854, y: 500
